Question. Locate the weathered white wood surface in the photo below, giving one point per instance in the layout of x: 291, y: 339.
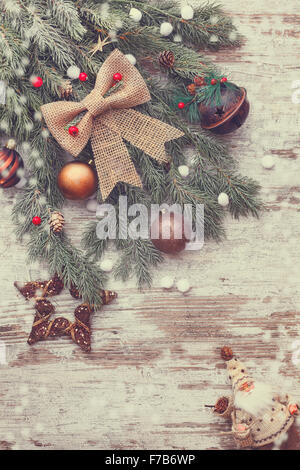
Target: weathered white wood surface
x: 155, y: 359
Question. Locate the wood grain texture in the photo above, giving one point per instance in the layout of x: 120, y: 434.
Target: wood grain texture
x: 155, y: 359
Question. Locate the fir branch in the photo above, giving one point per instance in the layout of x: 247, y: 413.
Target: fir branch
x: 138, y: 256
x: 67, y: 18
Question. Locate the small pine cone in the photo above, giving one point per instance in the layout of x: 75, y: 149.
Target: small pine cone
x: 221, y: 405
x: 166, y: 59
x: 57, y: 222
x: 226, y: 353
x: 66, y: 89
x: 192, y: 88
x: 75, y: 292
x: 44, y: 307
x: 199, y: 81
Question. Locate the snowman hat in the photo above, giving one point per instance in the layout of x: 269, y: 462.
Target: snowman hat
x: 237, y: 372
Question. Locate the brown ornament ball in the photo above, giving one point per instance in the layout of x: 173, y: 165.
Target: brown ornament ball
x: 171, y: 238
x: 226, y: 353
x: 77, y: 180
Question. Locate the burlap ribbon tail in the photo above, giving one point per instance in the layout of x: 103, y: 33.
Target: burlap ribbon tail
x: 110, y: 120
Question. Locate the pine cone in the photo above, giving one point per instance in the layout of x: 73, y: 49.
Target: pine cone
x: 226, y: 353
x: 192, y: 88
x: 199, y: 81
x: 75, y: 292
x: 28, y: 290
x: 66, y: 89
x: 221, y: 405
x: 166, y: 59
x: 57, y: 222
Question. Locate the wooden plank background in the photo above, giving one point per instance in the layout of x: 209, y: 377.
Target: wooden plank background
x: 155, y: 359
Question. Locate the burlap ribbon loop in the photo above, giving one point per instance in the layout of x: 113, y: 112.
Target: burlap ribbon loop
x: 107, y: 121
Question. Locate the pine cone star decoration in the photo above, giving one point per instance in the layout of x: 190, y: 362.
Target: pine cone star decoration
x: 199, y: 81
x: 57, y: 222
x: 166, y: 59
x: 226, y: 353
x: 65, y: 90
x: 192, y: 88
x: 43, y: 327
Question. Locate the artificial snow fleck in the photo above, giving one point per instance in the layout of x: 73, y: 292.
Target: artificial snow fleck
x: 18, y: 110
x: 21, y: 183
x: 118, y: 24
x: 91, y: 205
x: 104, y: 10
x: 167, y: 282
x: 73, y: 72
x: 25, y: 61
x: 33, y: 181
x: 131, y: 58
x: 113, y: 34
x: 35, y: 153
x: 23, y: 99
x: 233, y: 36
x: 223, y: 199
x: 29, y: 126
x: 268, y: 162
x: 19, y: 72
x: 106, y: 265
x: 166, y: 28
x: 183, y: 170
x: 135, y: 14
x: 45, y: 133
x: 4, y: 125
x: 177, y: 38
x: 214, y: 19
x: 183, y: 285
x: 187, y: 12
x: 10, y: 92
x: 39, y: 163
x: 38, y: 116
x: 2, y: 92
x: 26, y: 146
x: 213, y: 38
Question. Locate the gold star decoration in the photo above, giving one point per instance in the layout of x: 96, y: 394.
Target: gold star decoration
x: 43, y: 327
x: 100, y: 44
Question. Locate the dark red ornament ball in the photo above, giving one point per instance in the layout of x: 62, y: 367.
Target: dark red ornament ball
x: 37, y: 82
x: 117, y: 77
x: 181, y: 105
x: 223, y: 80
x: 214, y: 81
x: 36, y: 220
x: 83, y: 77
x: 73, y: 131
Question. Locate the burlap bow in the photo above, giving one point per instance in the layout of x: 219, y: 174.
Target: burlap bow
x: 108, y: 121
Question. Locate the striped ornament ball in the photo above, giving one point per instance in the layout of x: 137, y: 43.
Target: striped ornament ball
x: 10, y: 163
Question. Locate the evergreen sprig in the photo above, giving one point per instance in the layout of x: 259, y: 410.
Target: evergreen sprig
x: 45, y: 37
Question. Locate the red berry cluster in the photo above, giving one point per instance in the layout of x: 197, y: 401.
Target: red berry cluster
x: 214, y: 81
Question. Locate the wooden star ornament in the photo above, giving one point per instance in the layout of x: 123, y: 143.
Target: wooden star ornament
x: 98, y: 47
x: 44, y: 327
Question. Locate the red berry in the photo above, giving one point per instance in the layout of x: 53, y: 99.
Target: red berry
x: 37, y: 82
x: 117, y: 77
x: 83, y: 77
x: 293, y: 409
x: 36, y: 220
x: 214, y: 81
x: 74, y: 131
x: 181, y: 105
x: 223, y: 80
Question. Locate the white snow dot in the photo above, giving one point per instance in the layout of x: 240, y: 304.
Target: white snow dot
x: 135, y: 14
x: 183, y: 170
x: 183, y: 285
x: 167, y: 282
x: 268, y: 162
x: 38, y: 116
x: 223, y: 199
x: 106, y: 265
x: 73, y: 72
x: 213, y: 38
x: 187, y: 12
x: 177, y: 38
x: 131, y: 58
x: 166, y: 28
x: 91, y: 205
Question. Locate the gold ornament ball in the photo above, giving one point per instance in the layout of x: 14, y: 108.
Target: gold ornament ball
x: 77, y: 180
